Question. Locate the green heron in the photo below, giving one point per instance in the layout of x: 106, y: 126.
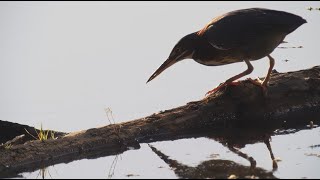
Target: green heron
x: 241, y: 35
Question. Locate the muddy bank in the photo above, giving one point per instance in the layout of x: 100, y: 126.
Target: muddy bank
x: 292, y: 101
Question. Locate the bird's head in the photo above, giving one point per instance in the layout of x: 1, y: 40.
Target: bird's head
x: 184, y: 49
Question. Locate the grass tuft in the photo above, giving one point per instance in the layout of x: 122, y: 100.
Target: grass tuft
x: 42, y: 135
x: 8, y: 146
x: 109, y: 114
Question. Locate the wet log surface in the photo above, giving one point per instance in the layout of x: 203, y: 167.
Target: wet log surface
x: 292, y: 101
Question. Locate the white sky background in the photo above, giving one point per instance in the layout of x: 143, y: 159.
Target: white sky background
x: 62, y: 63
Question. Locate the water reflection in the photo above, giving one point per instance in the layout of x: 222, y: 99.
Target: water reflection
x: 44, y: 172
x: 234, y: 140
x: 205, y: 156
x: 214, y: 169
x: 235, y: 136
x: 113, y: 166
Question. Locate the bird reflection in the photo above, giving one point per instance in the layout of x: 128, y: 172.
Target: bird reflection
x: 234, y: 140
x: 216, y: 168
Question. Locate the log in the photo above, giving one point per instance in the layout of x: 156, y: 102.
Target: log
x: 9, y: 131
x: 292, y: 101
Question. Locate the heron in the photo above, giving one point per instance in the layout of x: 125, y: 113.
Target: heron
x: 241, y: 35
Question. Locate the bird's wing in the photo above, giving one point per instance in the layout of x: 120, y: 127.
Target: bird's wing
x: 242, y: 27
x: 207, y: 29
x: 204, y: 29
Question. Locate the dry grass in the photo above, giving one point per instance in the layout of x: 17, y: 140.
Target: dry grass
x: 42, y: 135
x: 116, y: 128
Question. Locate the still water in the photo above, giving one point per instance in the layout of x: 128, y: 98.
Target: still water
x: 63, y: 63
x: 298, y: 156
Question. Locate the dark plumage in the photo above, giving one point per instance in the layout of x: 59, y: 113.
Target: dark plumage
x: 241, y: 35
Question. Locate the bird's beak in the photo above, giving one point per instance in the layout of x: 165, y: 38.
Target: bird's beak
x: 169, y: 62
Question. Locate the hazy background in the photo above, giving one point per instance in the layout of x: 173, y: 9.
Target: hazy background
x: 63, y: 63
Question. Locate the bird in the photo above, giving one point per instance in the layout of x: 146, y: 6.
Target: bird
x: 242, y: 35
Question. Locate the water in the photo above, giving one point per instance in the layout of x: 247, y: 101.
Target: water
x: 296, y: 161
x: 63, y: 63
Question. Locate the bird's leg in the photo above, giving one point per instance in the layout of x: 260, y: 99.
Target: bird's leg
x: 274, y: 162
x: 253, y: 162
x: 263, y: 84
x: 231, y: 80
x: 266, y: 80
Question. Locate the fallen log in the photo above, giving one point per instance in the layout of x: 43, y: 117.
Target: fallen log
x: 14, y: 133
x: 292, y: 101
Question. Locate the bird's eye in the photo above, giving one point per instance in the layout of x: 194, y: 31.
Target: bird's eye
x: 178, y: 50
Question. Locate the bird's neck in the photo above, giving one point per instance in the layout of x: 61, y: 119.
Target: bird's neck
x: 204, y: 50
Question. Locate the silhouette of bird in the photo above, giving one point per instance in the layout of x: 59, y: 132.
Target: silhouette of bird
x: 240, y: 35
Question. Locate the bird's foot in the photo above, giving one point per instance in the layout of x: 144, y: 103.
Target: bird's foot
x: 274, y: 165
x: 235, y: 83
x: 260, y: 83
